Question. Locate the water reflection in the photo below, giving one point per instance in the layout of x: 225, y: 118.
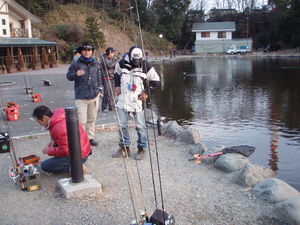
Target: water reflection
x: 239, y: 101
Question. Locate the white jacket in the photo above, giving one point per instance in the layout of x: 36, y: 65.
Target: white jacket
x: 132, y: 83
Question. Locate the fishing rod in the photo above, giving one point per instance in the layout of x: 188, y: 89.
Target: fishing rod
x: 244, y: 150
x: 159, y: 216
x: 24, y: 168
x: 128, y: 168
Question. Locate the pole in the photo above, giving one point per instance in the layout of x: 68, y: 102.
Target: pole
x: 74, y: 144
x: 247, y: 26
x: 158, y: 126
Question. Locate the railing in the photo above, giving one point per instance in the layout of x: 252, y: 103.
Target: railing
x: 19, y: 33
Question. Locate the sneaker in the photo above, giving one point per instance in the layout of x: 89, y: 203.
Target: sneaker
x: 93, y: 142
x: 140, y: 154
x: 121, y: 153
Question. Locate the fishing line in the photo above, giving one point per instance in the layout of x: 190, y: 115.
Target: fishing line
x: 13, y: 154
x: 155, y: 138
x: 128, y: 172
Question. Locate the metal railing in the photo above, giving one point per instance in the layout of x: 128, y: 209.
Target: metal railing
x: 19, y: 33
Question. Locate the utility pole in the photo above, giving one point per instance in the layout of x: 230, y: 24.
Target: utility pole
x: 247, y: 26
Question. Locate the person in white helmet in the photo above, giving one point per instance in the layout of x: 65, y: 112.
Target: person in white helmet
x: 135, y: 79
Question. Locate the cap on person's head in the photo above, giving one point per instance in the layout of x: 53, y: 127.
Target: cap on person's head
x: 85, y: 45
x: 135, y: 55
x: 109, y: 50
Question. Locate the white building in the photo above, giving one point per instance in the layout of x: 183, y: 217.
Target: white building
x: 16, y: 34
x: 216, y: 37
x: 15, y: 20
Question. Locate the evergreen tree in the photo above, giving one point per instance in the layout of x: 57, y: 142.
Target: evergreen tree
x: 188, y: 38
x: 21, y: 63
x: 44, y: 60
x: 8, y: 61
x: 167, y: 17
x: 93, y: 33
x: 34, y: 59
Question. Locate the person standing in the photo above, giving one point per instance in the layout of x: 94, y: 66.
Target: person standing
x: 108, y: 62
x: 135, y: 79
x: 86, y: 74
x: 76, y: 55
x: 55, y: 122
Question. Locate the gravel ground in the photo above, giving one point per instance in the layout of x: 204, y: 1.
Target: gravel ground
x: 194, y: 194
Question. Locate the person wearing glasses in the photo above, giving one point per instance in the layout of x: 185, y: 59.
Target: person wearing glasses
x: 86, y: 74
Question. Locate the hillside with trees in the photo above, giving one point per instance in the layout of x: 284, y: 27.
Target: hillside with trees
x: 116, y: 22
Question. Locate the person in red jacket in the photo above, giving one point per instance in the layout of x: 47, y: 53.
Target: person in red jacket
x: 55, y: 122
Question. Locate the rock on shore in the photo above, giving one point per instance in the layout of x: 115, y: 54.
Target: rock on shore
x: 193, y: 193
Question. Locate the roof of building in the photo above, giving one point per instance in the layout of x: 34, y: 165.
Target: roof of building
x: 20, y: 9
x: 213, y: 26
x: 7, y: 42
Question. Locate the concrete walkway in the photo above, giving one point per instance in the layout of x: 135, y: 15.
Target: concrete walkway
x: 59, y: 95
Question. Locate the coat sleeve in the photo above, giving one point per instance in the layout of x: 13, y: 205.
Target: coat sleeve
x: 153, y: 80
x: 71, y: 75
x: 117, y: 75
x: 99, y: 76
x: 60, y: 146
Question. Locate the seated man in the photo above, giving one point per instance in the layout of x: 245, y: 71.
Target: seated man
x: 55, y: 122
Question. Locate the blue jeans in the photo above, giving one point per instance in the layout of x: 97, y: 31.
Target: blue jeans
x: 58, y: 164
x: 140, y: 127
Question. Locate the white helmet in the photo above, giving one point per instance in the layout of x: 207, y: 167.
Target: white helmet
x: 135, y: 56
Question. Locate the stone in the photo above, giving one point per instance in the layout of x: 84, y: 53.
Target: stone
x: 231, y: 162
x: 253, y: 174
x: 289, y: 210
x: 89, y: 187
x: 171, y: 129
x: 274, y: 190
x: 197, y: 149
x: 189, y: 136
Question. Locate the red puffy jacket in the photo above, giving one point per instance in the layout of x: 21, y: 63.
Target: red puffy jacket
x: 58, y: 133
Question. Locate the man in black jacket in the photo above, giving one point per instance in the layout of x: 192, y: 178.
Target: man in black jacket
x: 88, y: 84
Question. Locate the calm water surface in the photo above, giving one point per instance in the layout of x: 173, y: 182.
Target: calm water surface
x: 237, y: 101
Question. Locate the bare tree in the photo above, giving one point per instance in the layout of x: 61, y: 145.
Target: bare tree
x: 199, y: 4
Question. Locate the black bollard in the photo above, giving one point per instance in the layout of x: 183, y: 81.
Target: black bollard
x: 158, y: 126
x: 74, y: 144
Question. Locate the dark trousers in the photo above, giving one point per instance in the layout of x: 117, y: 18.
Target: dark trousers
x: 58, y: 164
x: 107, y: 99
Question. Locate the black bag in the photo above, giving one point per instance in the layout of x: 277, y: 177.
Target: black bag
x: 160, y: 217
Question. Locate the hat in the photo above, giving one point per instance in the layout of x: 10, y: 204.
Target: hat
x: 110, y: 49
x: 135, y: 53
x: 85, y: 45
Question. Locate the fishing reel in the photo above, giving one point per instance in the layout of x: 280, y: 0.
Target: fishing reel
x: 26, y: 171
x: 159, y: 217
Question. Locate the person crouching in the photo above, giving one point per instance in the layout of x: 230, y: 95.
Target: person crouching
x: 55, y: 122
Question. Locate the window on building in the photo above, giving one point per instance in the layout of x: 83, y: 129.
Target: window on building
x: 205, y: 34
x: 3, y: 22
x: 222, y: 34
x: 4, y: 31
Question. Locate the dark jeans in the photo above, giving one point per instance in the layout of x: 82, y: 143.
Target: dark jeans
x: 58, y: 164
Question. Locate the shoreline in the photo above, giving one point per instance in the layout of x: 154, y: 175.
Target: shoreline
x: 193, y: 193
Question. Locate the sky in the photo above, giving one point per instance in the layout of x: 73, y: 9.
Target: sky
x: 212, y: 3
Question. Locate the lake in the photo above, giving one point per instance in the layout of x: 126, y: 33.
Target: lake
x: 238, y: 101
